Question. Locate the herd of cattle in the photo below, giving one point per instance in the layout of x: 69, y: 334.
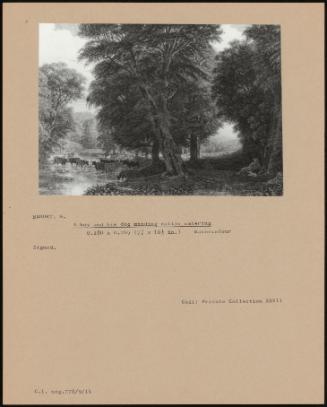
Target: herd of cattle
x: 72, y: 160
x: 100, y: 165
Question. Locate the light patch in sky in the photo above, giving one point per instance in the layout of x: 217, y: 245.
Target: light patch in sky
x: 224, y: 141
x: 73, y: 28
x: 239, y: 27
x: 60, y: 45
x: 231, y: 32
x: 226, y: 134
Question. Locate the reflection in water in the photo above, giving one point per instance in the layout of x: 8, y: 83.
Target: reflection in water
x: 56, y: 179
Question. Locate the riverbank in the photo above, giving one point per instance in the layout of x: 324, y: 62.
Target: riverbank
x: 70, y: 180
x: 206, y: 177
x: 218, y: 183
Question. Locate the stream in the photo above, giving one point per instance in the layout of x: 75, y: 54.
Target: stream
x: 68, y: 179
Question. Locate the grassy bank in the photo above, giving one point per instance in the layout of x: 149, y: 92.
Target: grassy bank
x: 208, y: 176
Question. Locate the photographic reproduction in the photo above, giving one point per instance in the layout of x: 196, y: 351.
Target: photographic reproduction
x: 148, y: 109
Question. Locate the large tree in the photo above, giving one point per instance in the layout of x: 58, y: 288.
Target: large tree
x: 158, y: 58
x: 58, y: 86
x: 246, y: 88
x: 267, y: 42
x: 123, y: 116
x: 240, y: 98
x: 193, y: 116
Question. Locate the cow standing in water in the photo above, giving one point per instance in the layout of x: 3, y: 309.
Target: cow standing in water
x: 60, y: 160
x: 99, y: 166
x: 74, y: 160
x: 83, y: 163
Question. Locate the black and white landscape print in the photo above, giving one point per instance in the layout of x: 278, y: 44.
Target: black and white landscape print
x: 149, y: 109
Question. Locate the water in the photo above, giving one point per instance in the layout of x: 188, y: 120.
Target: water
x: 68, y: 179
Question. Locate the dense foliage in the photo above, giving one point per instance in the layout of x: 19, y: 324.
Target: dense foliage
x: 247, y: 92
x: 58, y: 86
x: 145, y: 77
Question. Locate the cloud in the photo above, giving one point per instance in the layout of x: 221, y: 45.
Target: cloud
x: 73, y: 28
x: 60, y: 46
x: 239, y: 27
x: 231, y: 32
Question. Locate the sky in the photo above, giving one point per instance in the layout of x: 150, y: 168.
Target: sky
x: 60, y: 43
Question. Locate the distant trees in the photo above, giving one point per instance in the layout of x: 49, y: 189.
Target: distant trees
x: 105, y: 140
x: 267, y: 41
x: 123, y: 115
x: 58, y: 86
x: 144, y: 77
x: 247, y: 92
x: 88, y: 137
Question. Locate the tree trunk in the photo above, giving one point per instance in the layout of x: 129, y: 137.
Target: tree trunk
x: 170, y: 151
x: 171, y: 155
x: 161, y: 123
x: 155, y: 152
x: 275, y: 160
x: 194, y: 148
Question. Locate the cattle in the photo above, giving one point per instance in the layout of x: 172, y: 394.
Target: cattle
x: 74, y: 160
x: 106, y: 161
x: 83, y: 163
x: 102, y: 165
x: 60, y: 160
x: 131, y: 164
x: 99, y: 166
